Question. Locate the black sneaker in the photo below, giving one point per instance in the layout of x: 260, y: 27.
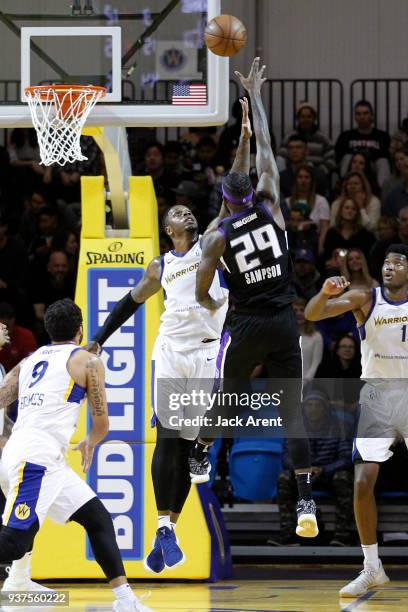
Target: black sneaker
x: 199, y: 470
x: 288, y: 539
x: 307, y: 523
x: 340, y: 541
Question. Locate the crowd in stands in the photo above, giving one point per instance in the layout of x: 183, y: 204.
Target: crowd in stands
x: 344, y: 203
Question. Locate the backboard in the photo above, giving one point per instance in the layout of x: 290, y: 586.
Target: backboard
x: 150, y: 55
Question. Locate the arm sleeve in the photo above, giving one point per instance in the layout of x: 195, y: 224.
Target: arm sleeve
x: 122, y: 311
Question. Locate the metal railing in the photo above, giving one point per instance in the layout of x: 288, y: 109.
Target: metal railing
x: 282, y: 97
x: 389, y: 98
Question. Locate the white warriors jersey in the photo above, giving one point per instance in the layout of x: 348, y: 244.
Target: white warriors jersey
x: 384, y: 339
x: 184, y: 321
x: 48, y: 398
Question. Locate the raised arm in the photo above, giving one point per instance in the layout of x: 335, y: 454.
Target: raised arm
x: 241, y: 162
x: 212, y: 249
x: 243, y: 155
x: 268, y: 173
x: 325, y: 305
x: 127, y: 306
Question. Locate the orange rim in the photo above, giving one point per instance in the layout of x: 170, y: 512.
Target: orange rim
x: 61, y: 90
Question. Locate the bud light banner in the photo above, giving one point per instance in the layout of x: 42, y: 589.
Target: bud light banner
x: 117, y: 470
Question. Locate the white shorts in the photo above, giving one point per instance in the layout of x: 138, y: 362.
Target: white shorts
x: 175, y: 373
x: 40, y: 483
x: 383, y: 417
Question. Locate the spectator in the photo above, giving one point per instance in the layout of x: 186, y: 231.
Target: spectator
x: 312, y: 341
x: 387, y: 229
x: 331, y: 471
x: 389, y: 236
x: 367, y: 138
x: 399, y: 159
x: 343, y: 363
x: 348, y: 230
x: 47, y: 228
x: 13, y: 269
x: 355, y: 268
x: 400, y: 138
x: 304, y: 192
x: 22, y: 340
x: 345, y: 358
x: 357, y: 187
x: 174, y: 170
x: 397, y: 198
x: 297, y: 156
x: 320, y: 151
x: 188, y: 194
x: 306, y: 278
x: 154, y: 166
x: 25, y: 160
x: 68, y: 242
x: 360, y: 163
x: 204, y: 164
x: 54, y: 284
x: 229, y: 137
x: 301, y: 234
x: 29, y: 219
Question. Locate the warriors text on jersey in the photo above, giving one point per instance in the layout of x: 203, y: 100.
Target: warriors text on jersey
x: 184, y: 322
x: 384, y: 339
x: 258, y: 268
x: 48, y: 399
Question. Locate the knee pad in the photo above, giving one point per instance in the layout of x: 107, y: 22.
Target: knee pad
x: 15, y: 543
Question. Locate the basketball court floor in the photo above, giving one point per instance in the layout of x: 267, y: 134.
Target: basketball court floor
x: 254, y: 589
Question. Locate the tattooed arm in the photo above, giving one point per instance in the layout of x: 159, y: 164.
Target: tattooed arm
x: 92, y: 374
x: 9, y: 387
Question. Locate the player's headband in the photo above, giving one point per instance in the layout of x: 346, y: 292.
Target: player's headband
x: 237, y: 201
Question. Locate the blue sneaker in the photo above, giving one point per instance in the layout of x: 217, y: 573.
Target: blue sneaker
x: 154, y: 561
x: 172, y: 553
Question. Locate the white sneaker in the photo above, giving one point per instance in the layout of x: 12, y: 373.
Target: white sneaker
x: 367, y: 578
x: 124, y: 605
x: 307, y: 523
x: 22, y: 583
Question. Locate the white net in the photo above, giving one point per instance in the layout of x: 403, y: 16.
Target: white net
x: 59, y: 114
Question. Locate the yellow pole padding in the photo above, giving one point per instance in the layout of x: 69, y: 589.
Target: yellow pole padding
x: 143, y: 210
x: 93, y: 206
x: 115, y: 177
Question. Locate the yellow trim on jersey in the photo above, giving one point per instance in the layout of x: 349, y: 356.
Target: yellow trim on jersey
x: 15, y: 493
x: 68, y: 391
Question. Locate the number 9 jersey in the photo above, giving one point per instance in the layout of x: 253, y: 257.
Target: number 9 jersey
x: 48, y: 398
x: 258, y: 267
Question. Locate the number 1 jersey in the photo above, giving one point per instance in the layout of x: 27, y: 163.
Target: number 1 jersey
x: 48, y: 398
x: 258, y: 267
x: 384, y: 339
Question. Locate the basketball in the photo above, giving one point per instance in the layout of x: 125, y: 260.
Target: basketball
x: 225, y: 35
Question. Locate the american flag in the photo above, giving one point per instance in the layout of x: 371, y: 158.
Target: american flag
x: 189, y: 95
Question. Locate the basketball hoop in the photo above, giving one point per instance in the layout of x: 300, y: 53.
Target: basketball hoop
x: 59, y: 113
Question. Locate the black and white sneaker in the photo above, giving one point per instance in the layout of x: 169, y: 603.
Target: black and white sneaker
x: 199, y: 470
x: 307, y: 523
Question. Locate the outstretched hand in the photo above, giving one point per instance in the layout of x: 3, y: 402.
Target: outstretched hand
x: 254, y: 81
x: 246, y: 129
